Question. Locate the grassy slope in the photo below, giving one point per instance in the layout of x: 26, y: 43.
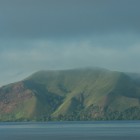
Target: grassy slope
x: 88, y: 87
x: 62, y: 92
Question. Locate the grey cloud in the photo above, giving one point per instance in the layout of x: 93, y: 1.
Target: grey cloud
x: 76, y: 54
x: 16, y: 64
x: 61, y: 34
x: 64, y: 18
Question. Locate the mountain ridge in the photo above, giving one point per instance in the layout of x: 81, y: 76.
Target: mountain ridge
x: 76, y: 94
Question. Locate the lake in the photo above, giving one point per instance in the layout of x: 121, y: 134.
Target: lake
x: 87, y: 130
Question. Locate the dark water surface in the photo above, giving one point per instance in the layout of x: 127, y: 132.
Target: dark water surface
x: 95, y: 130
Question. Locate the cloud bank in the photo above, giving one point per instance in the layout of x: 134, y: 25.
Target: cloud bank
x: 52, y: 34
x: 42, y: 55
x: 67, y: 19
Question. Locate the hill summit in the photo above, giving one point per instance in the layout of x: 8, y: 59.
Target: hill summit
x: 77, y: 94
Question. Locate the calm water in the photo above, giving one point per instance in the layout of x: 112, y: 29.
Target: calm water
x: 98, y: 130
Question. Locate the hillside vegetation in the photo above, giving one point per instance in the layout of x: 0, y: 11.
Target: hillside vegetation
x: 78, y: 94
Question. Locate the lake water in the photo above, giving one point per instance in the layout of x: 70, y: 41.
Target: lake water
x: 95, y: 130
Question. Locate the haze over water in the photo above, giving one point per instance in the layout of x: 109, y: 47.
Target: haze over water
x: 98, y: 130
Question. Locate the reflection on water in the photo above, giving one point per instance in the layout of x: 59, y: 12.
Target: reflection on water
x: 96, y: 130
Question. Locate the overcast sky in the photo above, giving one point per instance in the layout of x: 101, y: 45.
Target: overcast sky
x: 62, y: 34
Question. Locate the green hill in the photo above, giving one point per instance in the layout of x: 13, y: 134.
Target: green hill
x: 77, y: 94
